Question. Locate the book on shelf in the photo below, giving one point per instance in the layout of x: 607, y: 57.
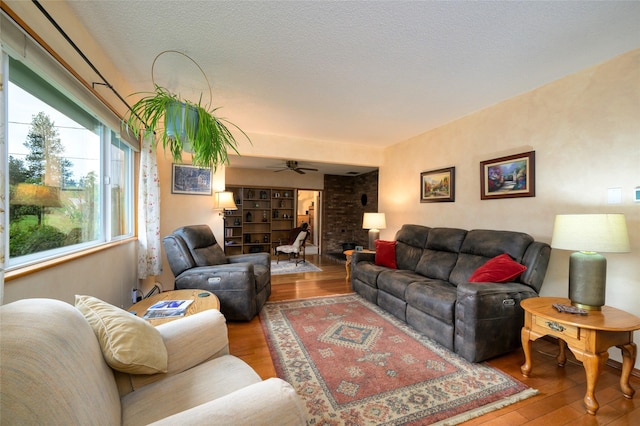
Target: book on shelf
x: 167, y: 308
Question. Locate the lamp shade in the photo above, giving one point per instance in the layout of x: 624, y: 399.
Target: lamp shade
x: 605, y: 233
x: 224, y: 201
x: 589, y: 234
x: 374, y: 221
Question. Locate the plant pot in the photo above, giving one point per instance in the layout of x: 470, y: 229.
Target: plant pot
x: 181, y: 123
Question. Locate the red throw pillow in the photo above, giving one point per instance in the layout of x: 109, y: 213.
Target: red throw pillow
x: 500, y: 269
x: 386, y: 254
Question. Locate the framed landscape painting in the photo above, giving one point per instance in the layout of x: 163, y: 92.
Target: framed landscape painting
x: 437, y: 185
x: 508, y: 177
x: 187, y: 179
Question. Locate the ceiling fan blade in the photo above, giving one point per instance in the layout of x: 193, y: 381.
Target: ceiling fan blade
x: 299, y: 171
x: 281, y: 170
x: 307, y: 168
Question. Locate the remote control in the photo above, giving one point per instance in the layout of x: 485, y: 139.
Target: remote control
x: 569, y: 309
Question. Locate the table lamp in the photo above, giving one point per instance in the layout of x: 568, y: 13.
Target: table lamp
x: 374, y: 222
x: 589, y: 234
x: 224, y: 201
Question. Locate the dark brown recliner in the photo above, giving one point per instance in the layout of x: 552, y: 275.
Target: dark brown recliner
x: 241, y: 282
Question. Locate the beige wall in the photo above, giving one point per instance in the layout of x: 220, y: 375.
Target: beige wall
x: 585, y: 130
x: 178, y: 210
x: 108, y: 275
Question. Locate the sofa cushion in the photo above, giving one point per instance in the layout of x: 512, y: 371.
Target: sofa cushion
x: 500, y: 269
x: 446, y: 239
x: 209, y: 256
x: 176, y: 393
x: 367, y: 272
x: 129, y: 343
x: 386, y: 253
x: 436, y: 264
x: 410, y: 241
x: 489, y: 243
x: 465, y: 266
x: 433, y: 297
x: 396, y: 281
x: 202, y: 244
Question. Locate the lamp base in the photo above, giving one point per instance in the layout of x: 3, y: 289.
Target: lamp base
x: 587, y: 280
x: 374, y: 234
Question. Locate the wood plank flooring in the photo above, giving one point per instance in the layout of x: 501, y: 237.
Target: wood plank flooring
x: 561, y: 389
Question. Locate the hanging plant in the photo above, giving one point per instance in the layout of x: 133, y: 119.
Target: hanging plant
x: 183, y: 126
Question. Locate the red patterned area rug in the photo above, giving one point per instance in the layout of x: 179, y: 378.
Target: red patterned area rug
x: 355, y: 364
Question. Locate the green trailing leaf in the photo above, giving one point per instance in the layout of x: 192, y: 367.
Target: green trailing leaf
x: 208, y: 137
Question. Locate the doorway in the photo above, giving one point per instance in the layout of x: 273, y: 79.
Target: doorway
x: 309, y: 207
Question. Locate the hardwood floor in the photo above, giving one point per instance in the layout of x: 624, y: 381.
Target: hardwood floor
x: 561, y: 390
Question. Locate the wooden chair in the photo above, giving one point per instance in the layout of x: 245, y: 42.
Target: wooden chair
x: 296, y: 249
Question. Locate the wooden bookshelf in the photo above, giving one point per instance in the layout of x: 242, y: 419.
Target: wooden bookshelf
x: 264, y: 218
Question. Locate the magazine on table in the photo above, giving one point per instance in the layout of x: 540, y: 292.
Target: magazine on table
x: 168, y: 308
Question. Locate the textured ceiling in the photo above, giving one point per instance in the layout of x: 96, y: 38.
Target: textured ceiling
x: 357, y: 72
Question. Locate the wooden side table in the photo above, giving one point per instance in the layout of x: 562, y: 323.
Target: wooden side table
x: 199, y: 303
x: 588, y: 337
x: 348, y: 254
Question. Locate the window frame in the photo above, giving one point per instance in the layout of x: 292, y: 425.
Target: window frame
x: 107, y: 141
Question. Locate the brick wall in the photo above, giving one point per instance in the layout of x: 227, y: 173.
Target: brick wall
x: 343, y: 209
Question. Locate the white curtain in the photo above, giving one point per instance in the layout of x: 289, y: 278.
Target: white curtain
x: 149, y: 260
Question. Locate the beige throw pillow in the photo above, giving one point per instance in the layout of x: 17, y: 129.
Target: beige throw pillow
x: 129, y: 343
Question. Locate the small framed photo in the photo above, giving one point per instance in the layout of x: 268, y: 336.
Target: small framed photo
x: 438, y: 185
x: 186, y: 179
x: 508, y: 177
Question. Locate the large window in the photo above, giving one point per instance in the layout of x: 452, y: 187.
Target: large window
x: 70, y: 176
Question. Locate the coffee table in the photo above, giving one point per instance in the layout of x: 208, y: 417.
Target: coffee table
x: 199, y: 304
x: 588, y: 336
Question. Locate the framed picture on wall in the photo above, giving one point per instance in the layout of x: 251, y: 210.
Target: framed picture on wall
x: 186, y: 179
x: 508, y: 177
x: 438, y: 185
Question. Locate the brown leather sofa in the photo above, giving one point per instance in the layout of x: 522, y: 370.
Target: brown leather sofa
x: 241, y: 282
x: 430, y: 289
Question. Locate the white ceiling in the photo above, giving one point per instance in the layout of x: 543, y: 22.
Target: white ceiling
x: 361, y: 72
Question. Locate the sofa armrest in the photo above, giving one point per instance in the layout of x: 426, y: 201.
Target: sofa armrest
x: 254, y: 258
x: 480, y: 289
x: 228, y: 276
x: 360, y: 256
x: 271, y: 402
x: 194, y: 339
x: 488, y: 318
x: 189, y: 341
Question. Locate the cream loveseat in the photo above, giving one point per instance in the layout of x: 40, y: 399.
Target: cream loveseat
x: 54, y: 371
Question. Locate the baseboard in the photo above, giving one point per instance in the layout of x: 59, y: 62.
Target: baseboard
x: 618, y: 366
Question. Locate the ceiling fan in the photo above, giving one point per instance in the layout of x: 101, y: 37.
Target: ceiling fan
x: 293, y: 166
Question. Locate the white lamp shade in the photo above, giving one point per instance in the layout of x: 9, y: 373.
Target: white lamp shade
x: 224, y: 201
x: 605, y: 233
x: 374, y: 221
